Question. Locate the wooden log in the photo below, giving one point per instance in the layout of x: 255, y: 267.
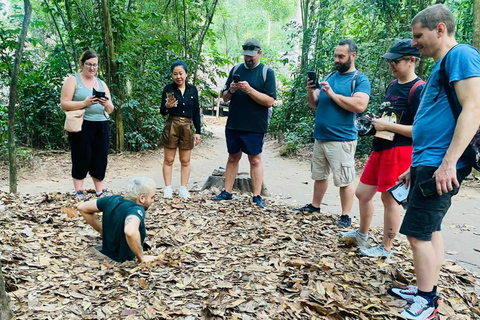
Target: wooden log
x: 242, y: 183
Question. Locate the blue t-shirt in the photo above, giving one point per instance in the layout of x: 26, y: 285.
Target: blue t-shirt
x: 434, y: 123
x: 244, y: 113
x: 332, y: 122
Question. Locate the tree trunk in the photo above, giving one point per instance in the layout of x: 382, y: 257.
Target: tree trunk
x: 13, y: 98
x: 5, y: 312
x: 476, y: 24
x: 113, y: 79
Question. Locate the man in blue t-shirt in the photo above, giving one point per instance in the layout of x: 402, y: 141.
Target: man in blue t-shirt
x: 335, y: 134
x: 251, y: 90
x: 123, y: 223
x: 439, y: 141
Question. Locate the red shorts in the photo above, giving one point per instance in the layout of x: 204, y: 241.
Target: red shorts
x: 384, y: 167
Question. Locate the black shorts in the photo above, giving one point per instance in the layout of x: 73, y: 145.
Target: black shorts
x: 248, y: 142
x: 425, y: 214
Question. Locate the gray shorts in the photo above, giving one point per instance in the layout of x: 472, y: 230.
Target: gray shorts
x: 337, y: 156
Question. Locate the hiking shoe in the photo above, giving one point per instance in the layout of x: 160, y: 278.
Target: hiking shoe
x: 406, y: 294
x: 79, y: 195
x: 355, y: 237
x: 308, y: 208
x: 183, y: 192
x: 167, y: 193
x: 345, y: 221
x: 421, y: 309
x: 259, y: 201
x: 102, y: 193
x: 378, y: 251
x: 224, y: 195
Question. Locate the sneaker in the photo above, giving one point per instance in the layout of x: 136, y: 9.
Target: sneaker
x: 378, y: 251
x: 79, y: 195
x: 167, y: 193
x: 224, y: 195
x: 259, y: 201
x: 345, y: 221
x: 102, y: 193
x: 421, y: 309
x: 356, y: 237
x: 308, y: 208
x: 406, y: 294
x: 183, y: 192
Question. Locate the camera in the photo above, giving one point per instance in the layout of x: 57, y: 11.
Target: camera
x: 364, y: 125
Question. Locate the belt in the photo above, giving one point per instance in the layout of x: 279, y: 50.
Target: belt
x: 179, y: 119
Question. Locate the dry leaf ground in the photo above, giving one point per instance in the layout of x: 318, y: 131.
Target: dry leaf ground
x: 228, y: 260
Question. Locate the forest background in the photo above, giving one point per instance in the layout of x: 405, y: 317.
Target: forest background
x: 138, y: 40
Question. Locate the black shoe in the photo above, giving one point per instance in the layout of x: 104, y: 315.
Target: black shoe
x: 308, y: 209
x: 345, y: 221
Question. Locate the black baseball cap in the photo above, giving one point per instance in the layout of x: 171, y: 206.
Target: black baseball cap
x: 401, y: 48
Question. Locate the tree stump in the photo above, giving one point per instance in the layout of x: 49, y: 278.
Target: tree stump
x: 243, y: 182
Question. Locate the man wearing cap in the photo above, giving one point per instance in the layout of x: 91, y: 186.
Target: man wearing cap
x: 392, y: 149
x: 440, y: 139
x: 337, y: 102
x: 251, y: 92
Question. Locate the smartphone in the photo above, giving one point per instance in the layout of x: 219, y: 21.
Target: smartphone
x: 428, y: 187
x: 170, y: 96
x: 312, y: 76
x: 99, y: 94
x: 236, y: 77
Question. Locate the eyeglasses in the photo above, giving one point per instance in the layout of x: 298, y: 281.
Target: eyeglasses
x: 91, y: 65
x: 394, y: 62
x: 250, y: 48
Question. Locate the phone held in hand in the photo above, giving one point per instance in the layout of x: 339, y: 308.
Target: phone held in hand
x: 99, y: 94
x: 400, y: 193
x: 312, y: 76
x: 170, y: 96
x: 236, y: 77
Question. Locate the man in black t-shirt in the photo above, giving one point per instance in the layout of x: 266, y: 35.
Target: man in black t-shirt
x: 123, y: 223
x: 251, y: 90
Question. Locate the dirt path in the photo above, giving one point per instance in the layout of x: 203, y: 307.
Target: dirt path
x: 287, y: 180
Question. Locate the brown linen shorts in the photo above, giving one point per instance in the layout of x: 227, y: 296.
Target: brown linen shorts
x: 178, y: 132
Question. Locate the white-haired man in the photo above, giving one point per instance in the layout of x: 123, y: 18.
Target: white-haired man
x: 123, y: 223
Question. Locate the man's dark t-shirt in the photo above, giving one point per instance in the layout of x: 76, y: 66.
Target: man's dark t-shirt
x: 115, y: 210
x: 243, y: 112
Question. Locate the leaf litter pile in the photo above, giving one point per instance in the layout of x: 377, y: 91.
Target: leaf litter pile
x: 226, y: 260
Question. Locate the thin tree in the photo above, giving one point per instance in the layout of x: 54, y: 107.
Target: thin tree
x: 476, y: 24
x: 5, y: 312
x: 13, y: 98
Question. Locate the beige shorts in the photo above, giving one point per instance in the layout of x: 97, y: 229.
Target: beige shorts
x: 337, y: 156
x: 178, y: 132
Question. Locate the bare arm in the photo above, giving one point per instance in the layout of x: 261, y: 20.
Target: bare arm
x: 356, y: 103
x: 402, y: 129
x: 89, y: 212
x: 467, y: 124
x: 66, y: 99
x: 132, y: 234
x: 259, y: 97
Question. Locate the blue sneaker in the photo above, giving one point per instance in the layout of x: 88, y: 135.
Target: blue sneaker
x: 375, y: 252
x: 344, y: 221
x: 421, y: 309
x: 224, y: 195
x: 80, y: 195
x: 259, y: 201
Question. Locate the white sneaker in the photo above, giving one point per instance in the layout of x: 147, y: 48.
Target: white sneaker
x: 183, y: 192
x: 167, y: 193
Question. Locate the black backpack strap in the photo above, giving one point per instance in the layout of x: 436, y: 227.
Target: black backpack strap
x: 445, y: 83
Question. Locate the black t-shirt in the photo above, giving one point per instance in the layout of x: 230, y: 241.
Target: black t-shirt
x: 396, y: 100
x: 115, y: 210
x: 243, y: 112
x: 188, y: 105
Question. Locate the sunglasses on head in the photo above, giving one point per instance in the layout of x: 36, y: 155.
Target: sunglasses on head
x: 250, y: 48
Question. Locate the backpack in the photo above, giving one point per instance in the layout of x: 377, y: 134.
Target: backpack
x: 473, y: 149
x: 353, y: 84
x: 412, y: 89
x: 264, y: 76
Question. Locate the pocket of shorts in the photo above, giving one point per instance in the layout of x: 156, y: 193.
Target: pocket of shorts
x: 347, y: 146
x: 348, y: 172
